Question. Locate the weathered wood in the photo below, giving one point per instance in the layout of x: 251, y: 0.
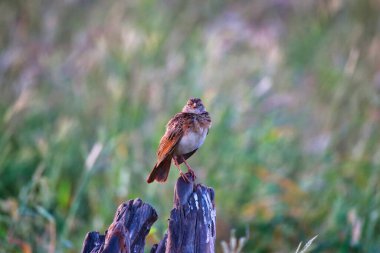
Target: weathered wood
x: 130, y: 226
x: 192, y: 220
x: 92, y: 242
x: 191, y: 224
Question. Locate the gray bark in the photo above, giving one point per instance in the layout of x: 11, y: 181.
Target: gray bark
x: 191, y: 225
x: 130, y: 226
x: 192, y: 221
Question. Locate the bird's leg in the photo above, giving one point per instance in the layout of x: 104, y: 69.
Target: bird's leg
x: 183, y: 175
x: 189, y: 168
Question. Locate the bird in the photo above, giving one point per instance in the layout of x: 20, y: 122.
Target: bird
x: 185, y: 133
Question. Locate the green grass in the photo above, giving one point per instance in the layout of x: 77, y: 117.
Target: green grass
x: 292, y: 89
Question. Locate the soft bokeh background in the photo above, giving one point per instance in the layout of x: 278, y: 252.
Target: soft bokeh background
x: 293, y: 88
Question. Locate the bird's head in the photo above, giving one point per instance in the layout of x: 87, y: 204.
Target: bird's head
x: 194, y: 105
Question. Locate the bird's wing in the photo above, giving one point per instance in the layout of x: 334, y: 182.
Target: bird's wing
x: 187, y: 156
x: 172, y: 136
x: 180, y: 159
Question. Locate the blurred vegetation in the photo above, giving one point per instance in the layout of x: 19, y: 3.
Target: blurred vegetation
x: 293, y: 88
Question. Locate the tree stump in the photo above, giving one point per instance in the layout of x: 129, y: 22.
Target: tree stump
x: 192, y: 220
x: 131, y: 224
x: 191, y: 224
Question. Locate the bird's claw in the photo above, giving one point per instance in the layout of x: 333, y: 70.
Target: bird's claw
x: 185, y: 178
x: 192, y: 173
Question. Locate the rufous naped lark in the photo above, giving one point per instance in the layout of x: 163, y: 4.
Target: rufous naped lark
x: 185, y: 133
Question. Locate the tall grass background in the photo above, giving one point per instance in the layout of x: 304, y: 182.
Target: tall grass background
x: 293, y: 88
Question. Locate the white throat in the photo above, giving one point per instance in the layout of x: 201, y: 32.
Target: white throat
x: 191, y: 110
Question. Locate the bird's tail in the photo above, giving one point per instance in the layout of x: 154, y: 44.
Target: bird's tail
x: 160, y: 171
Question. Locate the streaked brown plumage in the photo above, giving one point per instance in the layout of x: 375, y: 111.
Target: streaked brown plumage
x: 185, y: 133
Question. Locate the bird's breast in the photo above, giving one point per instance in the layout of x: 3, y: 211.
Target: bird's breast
x: 191, y: 141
